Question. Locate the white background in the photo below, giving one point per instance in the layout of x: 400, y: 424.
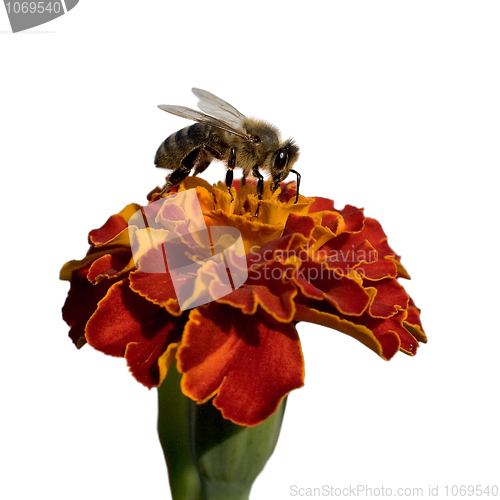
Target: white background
x: 396, y: 108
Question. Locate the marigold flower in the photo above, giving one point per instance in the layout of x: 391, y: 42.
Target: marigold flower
x: 305, y: 261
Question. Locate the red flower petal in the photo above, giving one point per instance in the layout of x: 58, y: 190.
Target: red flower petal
x: 374, y: 233
x: 353, y: 217
x: 301, y: 224
x: 384, y: 342
x: 345, y: 253
x: 275, y: 297
x: 157, y: 288
x: 110, y: 265
x: 318, y: 281
x: 237, y: 358
x: 321, y: 204
x: 382, y: 327
x: 391, y: 297
x: 273, y: 289
x: 243, y: 298
x: 288, y: 191
x: 127, y: 325
x: 112, y: 227
x: 81, y: 303
x: 142, y: 357
x: 379, y: 269
x: 331, y: 221
x: 413, y: 324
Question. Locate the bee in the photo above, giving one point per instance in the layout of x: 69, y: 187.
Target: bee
x: 227, y: 135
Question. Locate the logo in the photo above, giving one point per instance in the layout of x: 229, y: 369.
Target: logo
x: 170, y: 237
x: 24, y: 15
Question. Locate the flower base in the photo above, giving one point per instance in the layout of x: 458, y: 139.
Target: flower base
x: 208, y: 457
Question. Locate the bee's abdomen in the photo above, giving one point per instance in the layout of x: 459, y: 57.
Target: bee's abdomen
x: 178, y: 145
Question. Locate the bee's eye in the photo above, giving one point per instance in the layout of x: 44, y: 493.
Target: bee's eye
x: 281, y: 159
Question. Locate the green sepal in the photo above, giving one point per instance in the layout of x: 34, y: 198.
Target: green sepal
x: 229, y: 457
x: 208, y: 457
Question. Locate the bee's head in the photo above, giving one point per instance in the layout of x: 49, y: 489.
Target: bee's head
x: 282, y: 162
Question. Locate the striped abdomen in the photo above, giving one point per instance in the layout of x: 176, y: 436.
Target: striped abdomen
x: 180, y: 144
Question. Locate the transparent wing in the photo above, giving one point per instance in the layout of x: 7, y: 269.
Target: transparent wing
x: 197, y: 116
x: 215, y: 106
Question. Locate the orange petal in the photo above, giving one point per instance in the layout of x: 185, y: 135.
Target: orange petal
x: 254, y: 234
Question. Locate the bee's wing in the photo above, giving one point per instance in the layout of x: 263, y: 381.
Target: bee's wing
x: 197, y: 116
x: 217, y: 107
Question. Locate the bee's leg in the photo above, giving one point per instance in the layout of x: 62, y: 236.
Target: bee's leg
x: 298, y: 184
x: 179, y: 174
x: 243, y: 181
x: 260, y: 185
x: 202, y: 162
x: 229, y: 174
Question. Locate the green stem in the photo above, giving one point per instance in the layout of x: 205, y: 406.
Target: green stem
x: 172, y: 430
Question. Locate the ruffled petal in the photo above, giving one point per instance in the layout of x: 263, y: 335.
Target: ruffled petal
x: 413, y: 323
x: 81, y: 303
x: 394, y: 324
x: 254, y: 234
x: 390, y: 298
x: 127, y: 325
x: 385, y: 343
x: 237, y: 358
x: 343, y: 254
x: 111, y: 265
x: 379, y: 269
x: 157, y: 288
x: 114, y: 227
x: 353, y: 217
x: 301, y: 224
x: 318, y: 281
x: 143, y: 358
x: 242, y: 298
x: 276, y: 298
